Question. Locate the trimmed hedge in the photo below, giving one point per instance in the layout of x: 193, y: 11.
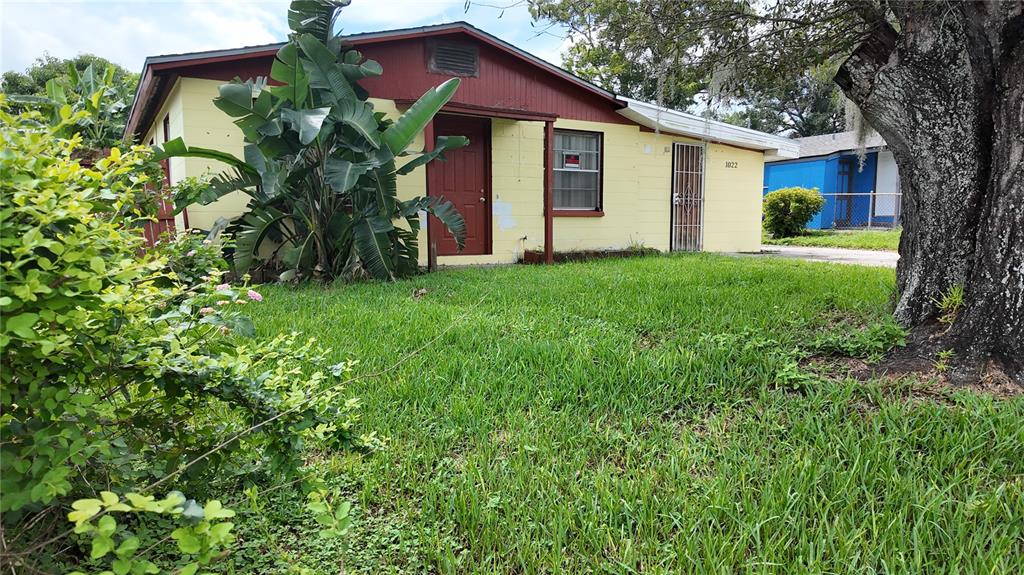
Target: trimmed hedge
x: 787, y: 210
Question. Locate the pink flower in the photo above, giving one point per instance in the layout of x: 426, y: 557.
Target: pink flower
x: 223, y: 302
x: 206, y: 310
x: 190, y: 253
x: 223, y: 287
x: 254, y: 296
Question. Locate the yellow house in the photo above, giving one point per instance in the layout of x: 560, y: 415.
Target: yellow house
x: 554, y: 164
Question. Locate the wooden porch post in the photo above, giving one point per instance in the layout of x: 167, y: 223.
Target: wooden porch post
x: 428, y: 145
x: 549, y: 182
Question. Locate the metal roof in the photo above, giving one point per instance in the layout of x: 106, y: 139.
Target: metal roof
x: 686, y: 124
x: 828, y: 144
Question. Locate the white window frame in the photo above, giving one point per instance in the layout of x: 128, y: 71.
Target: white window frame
x: 599, y: 171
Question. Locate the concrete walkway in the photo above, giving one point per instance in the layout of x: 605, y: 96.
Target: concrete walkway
x: 834, y: 255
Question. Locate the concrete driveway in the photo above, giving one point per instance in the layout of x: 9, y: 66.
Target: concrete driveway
x: 834, y: 255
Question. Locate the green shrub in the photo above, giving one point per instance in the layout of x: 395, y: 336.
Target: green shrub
x: 119, y: 381
x: 192, y: 257
x: 787, y: 211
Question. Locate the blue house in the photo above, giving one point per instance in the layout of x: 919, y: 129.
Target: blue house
x: 861, y: 187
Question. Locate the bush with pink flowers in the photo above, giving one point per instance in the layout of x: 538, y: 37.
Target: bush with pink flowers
x: 192, y: 256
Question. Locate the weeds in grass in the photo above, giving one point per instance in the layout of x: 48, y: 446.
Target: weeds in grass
x: 870, y: 343
x: 949, y: 304
x: 942, y: 360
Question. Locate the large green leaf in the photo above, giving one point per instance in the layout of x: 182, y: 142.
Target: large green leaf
x: 271, y: 176
x: 403, y: 132
x: 321, y: 64
x: 252, y: 104
x: 343, y: 174
x: 445, y: 211
x: 236, y: 98
x: 385, y: 187
x: 307, y: 122
x: 407, y: 253
x: 315, y: 17
x: 355, y: 70
x: 370, y: 235
x: 55, y: 91
x: 255, y: 226
x: 359, y: 116
x: 176, y: 148
x: 444, y: 143
x: 287, y: 70
x: 219, y: 186
x: 442, y: 209
x: 30, y: 100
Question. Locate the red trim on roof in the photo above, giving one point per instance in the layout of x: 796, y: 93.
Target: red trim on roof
x: 495, y: 112
x: 158, y: 75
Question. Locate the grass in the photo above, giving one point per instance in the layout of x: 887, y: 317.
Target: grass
x: 642, y: 415
x: 885, y: 240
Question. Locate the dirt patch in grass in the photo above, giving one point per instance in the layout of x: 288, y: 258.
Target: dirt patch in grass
x: 918, y: 369
x: 915, y: 378
x: 647, y: 339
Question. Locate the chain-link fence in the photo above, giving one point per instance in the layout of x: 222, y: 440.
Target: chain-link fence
x: 861, y: 210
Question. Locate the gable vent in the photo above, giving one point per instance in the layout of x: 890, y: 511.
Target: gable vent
x: 451, y: 58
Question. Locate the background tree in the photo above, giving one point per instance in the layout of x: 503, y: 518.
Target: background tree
x: 943, y: 83
x: 91, y: 92
x: 32, y: 82
x: 807, y: 105
x: 610, y: 48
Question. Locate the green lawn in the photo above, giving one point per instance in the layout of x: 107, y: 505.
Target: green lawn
x: 888, y: 240
x: 641, y: 415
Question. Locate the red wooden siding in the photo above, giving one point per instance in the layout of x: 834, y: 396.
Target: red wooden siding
x: 504, y: 81
x: 164, y: 223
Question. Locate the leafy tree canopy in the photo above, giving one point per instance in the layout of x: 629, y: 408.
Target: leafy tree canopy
x: 32, y: 82
x: 84, y: 83
x: 806, y: 105
x: 670, y: 51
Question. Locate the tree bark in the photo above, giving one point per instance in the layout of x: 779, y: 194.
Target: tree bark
x: 947, y: 94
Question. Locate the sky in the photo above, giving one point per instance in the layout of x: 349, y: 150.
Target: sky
x: 127, y: 31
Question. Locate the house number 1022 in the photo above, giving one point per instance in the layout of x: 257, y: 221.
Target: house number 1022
x: 732, y: 164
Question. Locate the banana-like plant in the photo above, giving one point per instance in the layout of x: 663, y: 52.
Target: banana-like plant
x: 320, y: 165
x: 86, y: 91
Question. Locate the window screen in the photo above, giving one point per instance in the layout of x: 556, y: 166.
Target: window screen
x: 577, y: 170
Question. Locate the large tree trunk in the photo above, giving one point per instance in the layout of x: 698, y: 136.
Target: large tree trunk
x: 947, y: 94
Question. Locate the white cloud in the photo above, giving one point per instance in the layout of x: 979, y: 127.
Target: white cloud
x: 127, y: 31
x: 384, y: 14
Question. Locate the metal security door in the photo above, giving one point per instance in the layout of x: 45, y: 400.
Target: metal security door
x: 687, y: 197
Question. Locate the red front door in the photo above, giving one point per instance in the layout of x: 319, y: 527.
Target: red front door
x: 464, y: 178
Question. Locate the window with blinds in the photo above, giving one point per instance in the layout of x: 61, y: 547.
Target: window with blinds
x: 577, y: 170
